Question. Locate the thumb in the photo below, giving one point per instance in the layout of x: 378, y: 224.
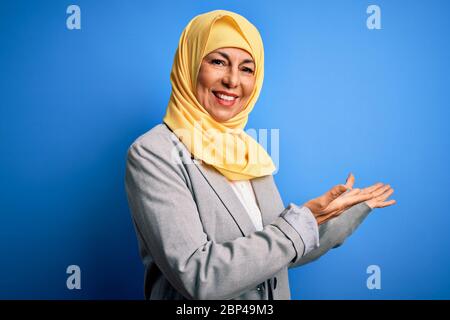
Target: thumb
x: 350, y: 181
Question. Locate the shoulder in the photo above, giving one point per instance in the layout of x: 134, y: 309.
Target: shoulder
x: 160, y: 145
x: 158, y: 140
x: 159, y: 136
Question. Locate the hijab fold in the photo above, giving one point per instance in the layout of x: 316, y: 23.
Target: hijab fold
x: 224, y: 145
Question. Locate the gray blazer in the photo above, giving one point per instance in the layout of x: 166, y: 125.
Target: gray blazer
x: 195, y: 237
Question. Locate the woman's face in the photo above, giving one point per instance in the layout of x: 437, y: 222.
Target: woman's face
x: 225, y: 82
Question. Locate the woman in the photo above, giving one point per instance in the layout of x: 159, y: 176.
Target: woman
x: 209, y: 218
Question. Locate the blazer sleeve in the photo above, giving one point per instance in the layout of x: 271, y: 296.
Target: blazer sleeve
x: 165, y: 213
x: 334, y: 232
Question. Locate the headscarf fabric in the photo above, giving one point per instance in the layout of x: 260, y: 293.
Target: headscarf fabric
x: 223, y: 145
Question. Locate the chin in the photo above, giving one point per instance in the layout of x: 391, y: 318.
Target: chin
x: 222, y: 113
x: 223, y: 116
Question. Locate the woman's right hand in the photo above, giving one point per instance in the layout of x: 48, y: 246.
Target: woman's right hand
x: 337, y: 200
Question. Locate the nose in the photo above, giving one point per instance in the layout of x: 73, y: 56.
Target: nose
x: 231, y: 78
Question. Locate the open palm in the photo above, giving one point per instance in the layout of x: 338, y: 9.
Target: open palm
x: 342, y: 197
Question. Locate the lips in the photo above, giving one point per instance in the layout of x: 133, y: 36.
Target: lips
x: 225, y: 98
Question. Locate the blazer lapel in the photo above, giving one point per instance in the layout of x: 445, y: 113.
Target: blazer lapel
x: 229, y: 199
x: 263, y: 188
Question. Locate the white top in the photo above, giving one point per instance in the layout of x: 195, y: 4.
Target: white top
x: 245, y: 193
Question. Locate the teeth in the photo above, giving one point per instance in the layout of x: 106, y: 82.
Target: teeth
x: 225, y: 97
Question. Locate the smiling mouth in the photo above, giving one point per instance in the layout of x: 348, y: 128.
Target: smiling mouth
x: 224, y: 99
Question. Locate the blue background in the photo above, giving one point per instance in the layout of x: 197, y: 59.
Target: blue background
x: 345, y: 98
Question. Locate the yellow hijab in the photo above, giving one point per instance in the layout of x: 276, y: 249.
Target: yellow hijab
x: 224, y: 145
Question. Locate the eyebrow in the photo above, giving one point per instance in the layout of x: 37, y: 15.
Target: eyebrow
x: 228, y: 57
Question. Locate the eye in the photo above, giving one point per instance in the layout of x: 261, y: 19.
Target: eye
x: 217, y: 62
x: 248, y: 70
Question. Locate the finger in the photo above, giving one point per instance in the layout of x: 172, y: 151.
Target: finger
x: 380, y: 191
x: 353, y: 192
x: 357, y: 199
x: 350, y: 181
x: 385, y: 204
x: 372, y: 188
x: 385, y: 195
